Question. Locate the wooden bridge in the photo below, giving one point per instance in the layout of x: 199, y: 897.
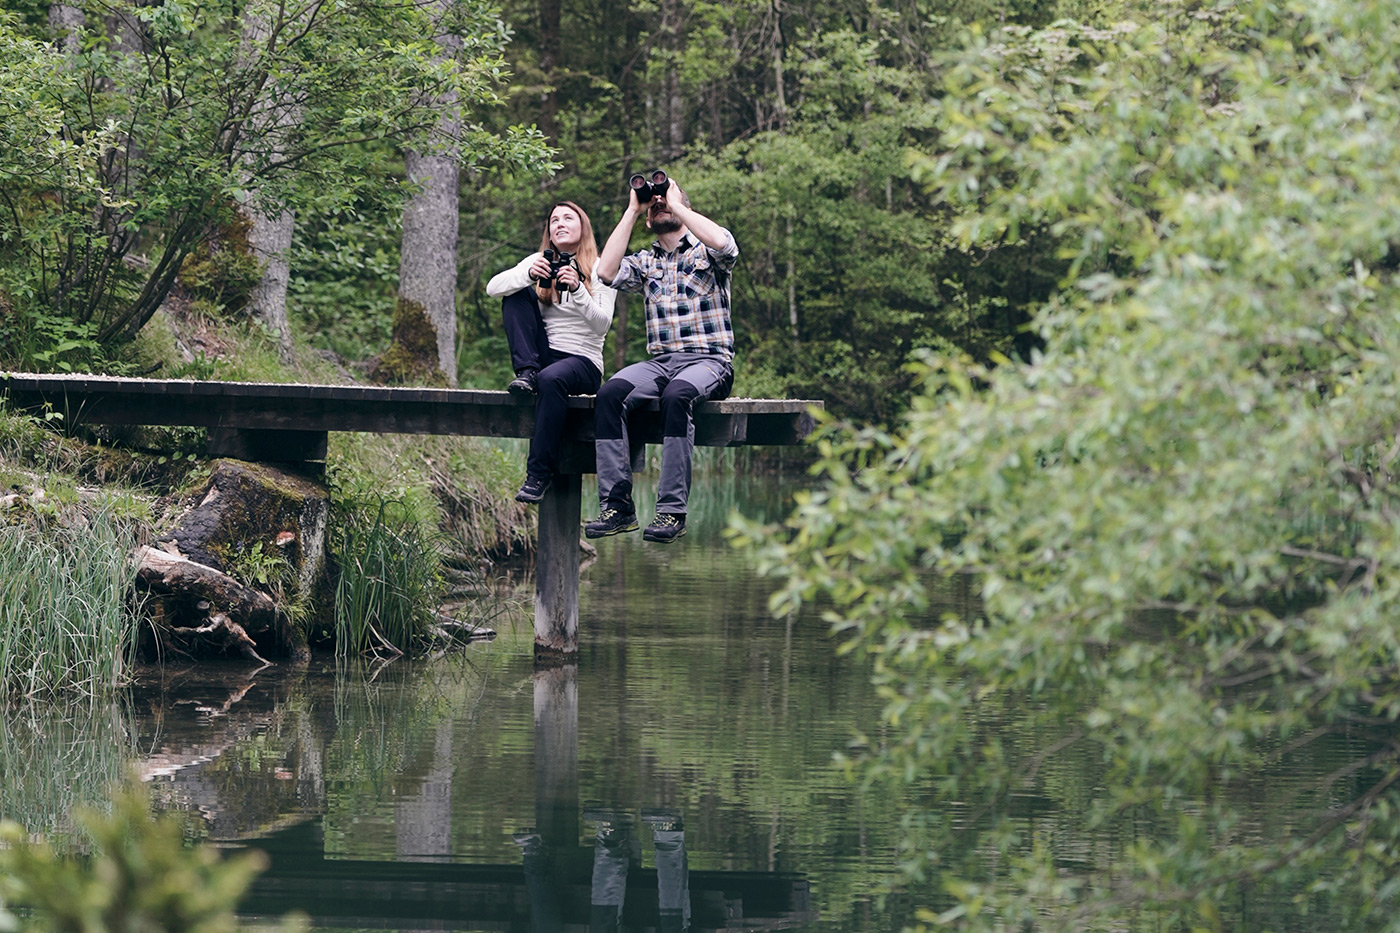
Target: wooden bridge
x: 290, y: 423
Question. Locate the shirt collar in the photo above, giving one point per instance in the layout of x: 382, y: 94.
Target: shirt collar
x: 685, y: 244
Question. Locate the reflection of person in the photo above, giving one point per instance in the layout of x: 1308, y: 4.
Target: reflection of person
x: 612, y: 852
x: 672, y: 873
x: 555, y: 331
x: 684, y: 277
x: 612, y: 855
x: 546, y: 914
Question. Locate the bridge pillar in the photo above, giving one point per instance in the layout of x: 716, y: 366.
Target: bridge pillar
x: 556, y: 570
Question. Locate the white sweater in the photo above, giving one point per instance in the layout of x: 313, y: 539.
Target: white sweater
x: 577, y: 324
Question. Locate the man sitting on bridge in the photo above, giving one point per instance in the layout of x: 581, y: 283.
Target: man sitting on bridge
x: 684, y: 277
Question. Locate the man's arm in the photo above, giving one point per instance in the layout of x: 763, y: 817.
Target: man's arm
x: 706, y: 230
x: 611, y: 257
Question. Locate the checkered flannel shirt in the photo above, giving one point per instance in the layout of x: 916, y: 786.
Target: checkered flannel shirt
x: 686, y: 294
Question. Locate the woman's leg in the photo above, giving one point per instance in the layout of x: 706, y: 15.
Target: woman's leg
x: 565, y: 376
x: 525, y: 334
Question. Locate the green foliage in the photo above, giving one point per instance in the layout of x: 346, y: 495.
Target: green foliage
x: 65, y: 626
x: 270, y: 571
x: 1181, y: 518
x: 388, y: 586
x: 140, y: 877
x: 189, y: 109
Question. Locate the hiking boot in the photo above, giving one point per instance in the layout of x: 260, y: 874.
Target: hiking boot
x: 666, y: 528
x: 533, y: 489
x: 610, y: 522
x: 524, y: 384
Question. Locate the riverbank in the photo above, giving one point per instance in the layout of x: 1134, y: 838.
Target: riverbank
x: 437, y: 513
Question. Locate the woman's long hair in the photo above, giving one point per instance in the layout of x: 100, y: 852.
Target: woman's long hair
x: 586, y: 257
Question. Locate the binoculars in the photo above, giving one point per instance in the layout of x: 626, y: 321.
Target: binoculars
x: 651, y: 185
x: 557, y: 260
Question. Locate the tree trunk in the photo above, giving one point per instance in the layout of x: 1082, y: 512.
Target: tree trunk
x: 428, y: 256
x: 270, y: 239
x: 269, y: 228
x: 671, y: 106
x: 66, y: 22
x: 549, y: 64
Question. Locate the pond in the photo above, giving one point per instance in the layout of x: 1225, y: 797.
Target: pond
x: 681, y: 775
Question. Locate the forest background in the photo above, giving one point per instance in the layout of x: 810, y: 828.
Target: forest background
x: 1180, y: 516
x: 185, y: 144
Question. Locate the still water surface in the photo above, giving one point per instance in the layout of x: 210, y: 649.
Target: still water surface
x: 680, y: 776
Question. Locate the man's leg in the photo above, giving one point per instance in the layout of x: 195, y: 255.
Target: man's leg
x: 628, y: 388
x: 696, y: 382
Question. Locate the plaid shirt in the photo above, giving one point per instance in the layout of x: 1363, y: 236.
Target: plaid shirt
x: 687, y: 295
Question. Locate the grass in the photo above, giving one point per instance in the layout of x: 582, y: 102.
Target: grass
x: 389, y: 584
x: 65, y: 623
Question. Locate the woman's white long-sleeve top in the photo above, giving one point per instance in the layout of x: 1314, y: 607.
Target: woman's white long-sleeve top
x: 580, y: 320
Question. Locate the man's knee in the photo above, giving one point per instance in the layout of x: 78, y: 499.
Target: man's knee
x: 610, y: 408
x: 677, y: 402
x: 614, y: 392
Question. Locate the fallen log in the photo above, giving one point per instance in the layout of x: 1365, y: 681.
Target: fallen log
x: 224, y: 633
x: 250, y: 611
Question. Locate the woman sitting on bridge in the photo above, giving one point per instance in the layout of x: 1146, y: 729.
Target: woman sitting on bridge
x: 555, y: 331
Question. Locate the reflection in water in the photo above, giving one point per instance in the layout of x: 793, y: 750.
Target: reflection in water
x: 614, y: 853
x: 390, y: 797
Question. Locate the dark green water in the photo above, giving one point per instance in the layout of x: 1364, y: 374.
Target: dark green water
x: 680, y: 775
x: 694, y: 738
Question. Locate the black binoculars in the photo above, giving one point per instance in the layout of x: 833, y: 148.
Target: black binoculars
x: 557, y: 260
x: 649, y: 186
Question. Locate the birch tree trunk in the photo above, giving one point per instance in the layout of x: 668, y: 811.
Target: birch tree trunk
x: 269, y: 229
x: 424, y: 346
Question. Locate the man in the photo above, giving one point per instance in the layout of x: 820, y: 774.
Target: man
x: 684, y: 278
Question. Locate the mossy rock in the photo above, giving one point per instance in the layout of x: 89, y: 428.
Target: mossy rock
x: 251, y: 517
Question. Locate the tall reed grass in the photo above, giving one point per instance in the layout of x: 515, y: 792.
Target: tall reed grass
x: 390, y: 573
x: 65, y: 622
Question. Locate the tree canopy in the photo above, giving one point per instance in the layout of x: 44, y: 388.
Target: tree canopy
x: 1181, y: 514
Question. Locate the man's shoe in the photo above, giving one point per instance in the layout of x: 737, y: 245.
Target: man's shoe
x: 524, y: 384
x: 533, y: 489
x: 665, y: 529
x: 610, y: 522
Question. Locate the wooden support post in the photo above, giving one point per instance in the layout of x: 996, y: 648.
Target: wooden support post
x: 556, y: 570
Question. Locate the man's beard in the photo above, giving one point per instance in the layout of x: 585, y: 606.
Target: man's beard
x: 667, y: 224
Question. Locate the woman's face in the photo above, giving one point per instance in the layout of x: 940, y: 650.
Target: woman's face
x: 565, y: 228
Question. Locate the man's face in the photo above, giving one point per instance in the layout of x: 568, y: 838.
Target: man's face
x: 659, y: 217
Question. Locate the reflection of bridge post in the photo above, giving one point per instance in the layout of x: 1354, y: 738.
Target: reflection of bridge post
x: 423, y: 822
x: 550, y: 853
x: 556, y: 756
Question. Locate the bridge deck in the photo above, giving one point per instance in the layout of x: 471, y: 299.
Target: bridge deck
x: 317, y: 409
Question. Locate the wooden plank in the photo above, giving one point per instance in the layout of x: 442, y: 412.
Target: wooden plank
x: 86, y: 399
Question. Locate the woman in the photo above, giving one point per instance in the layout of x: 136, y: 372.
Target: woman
x: 555, y: 330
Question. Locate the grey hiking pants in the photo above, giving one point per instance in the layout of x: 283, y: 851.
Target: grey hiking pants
x: 679, y: 380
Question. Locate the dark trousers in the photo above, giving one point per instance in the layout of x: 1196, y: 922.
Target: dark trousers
x: 560, y: 375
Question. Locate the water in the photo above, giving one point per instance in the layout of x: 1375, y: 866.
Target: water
x: 680, y: 774
x: 682, y: 770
